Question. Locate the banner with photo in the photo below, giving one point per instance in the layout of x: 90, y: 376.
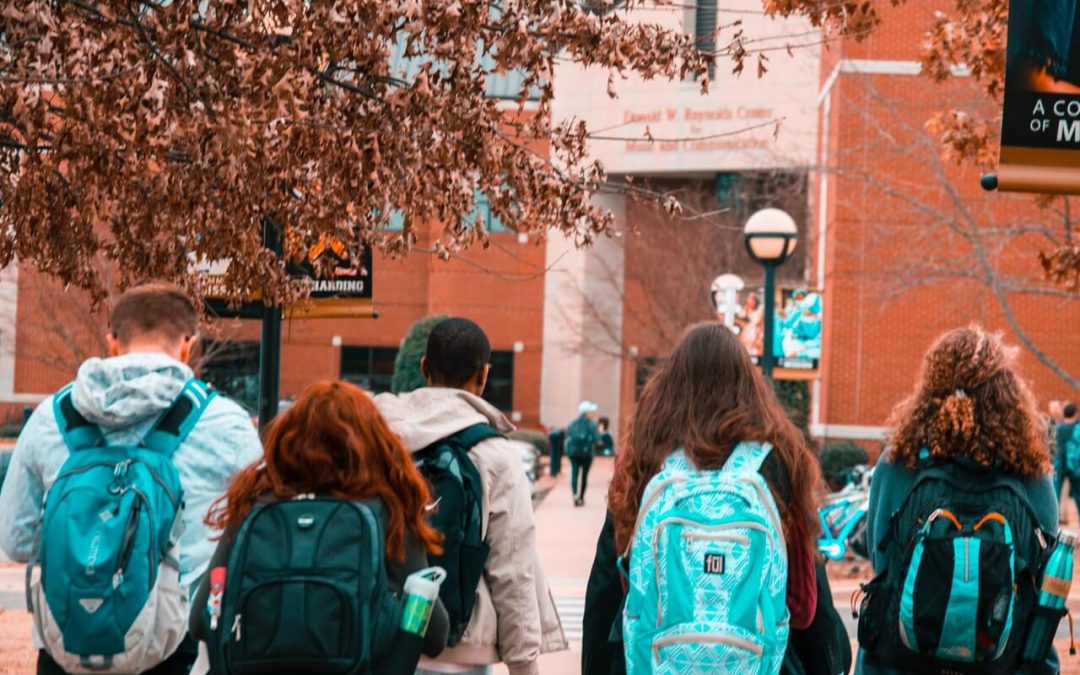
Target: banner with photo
x: 1040, y: 126
x: 796, y: 335
x: 344, y: 293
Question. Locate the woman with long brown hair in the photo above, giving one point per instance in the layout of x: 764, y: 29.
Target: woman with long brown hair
x: 966, y: 468
x: 705, y: 405
x: 334, y: 443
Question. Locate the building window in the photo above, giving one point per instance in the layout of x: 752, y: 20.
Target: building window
x: 482, y: 214
x: 705, y: 31
x: 233, y: 369
x: 370, y: 368
x: 500, y: 384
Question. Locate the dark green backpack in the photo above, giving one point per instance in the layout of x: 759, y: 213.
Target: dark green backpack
x: 306, y: 591
x: 581, y: 438
x: 965, y: 552
x: 457, y: 513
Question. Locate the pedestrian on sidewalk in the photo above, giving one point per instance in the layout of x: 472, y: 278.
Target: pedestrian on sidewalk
x: 331, y: 444
x: 514, y: 619
x: 1066, y: 449
x: 965, y: 476
x: 556, y: 439
x: 141, y: 403
x: 713, y: 510
x: 582, y: 438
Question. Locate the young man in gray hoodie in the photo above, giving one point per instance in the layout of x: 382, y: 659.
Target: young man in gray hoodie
x: 514, y: 619
x: 153, y: 328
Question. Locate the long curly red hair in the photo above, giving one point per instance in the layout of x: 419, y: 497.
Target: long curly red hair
x: 334, y: 442
x: 970, y: 402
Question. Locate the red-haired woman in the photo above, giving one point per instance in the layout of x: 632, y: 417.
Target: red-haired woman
x: 334, y: 443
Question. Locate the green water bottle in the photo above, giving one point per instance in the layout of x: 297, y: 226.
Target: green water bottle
x: 1054, y: 591
x: 421, y: 593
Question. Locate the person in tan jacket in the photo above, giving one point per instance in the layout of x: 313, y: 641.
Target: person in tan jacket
x: 514, y: 619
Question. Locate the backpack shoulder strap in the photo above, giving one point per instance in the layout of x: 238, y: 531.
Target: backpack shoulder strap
x: 747, y: 458
x: 470, y: 437
x: 77, y: 431
x: 172, y: 429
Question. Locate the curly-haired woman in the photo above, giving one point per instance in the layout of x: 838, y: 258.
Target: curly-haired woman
x: 971, y: 414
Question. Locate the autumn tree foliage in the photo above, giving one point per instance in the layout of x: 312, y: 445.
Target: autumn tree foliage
x: 161, y: 132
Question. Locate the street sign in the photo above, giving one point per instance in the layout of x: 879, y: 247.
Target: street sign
x: 1040, y: 127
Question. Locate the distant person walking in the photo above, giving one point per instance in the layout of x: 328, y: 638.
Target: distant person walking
x: 514, y: 619
x: 1066, y: 440
x: 606, y: 446
x: 134, y: 447
x: 962, y: 516
x: 582, y: 437
x: 713, y: 510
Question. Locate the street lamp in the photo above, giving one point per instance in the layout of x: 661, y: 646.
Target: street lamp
x: 770, y: 236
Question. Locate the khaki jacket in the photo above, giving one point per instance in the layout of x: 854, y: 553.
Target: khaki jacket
x: 514, y: 619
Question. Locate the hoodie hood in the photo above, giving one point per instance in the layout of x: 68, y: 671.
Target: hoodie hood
x: 427, y: 415
x: 125, y: 390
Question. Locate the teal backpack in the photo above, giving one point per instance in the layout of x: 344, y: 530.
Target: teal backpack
x: 708, y: 571
x: 103, y: 582
x: 581, y: 438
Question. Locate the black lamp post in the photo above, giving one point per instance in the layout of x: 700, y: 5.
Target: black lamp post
x: 770, y: 236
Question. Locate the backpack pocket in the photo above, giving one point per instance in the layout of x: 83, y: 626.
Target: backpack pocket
x: 295, y: 625
x: 710, y: 572
x: 708, y: 648
x: 958, y: 597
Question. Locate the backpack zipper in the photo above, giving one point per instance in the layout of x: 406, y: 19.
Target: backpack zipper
x: 116, y: 467
x: 708, y: 638
x: 235, y: 630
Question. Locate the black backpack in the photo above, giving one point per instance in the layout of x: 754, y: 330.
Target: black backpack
x: 306, y: 591
x: 457, y: 513
x: 960, y: 588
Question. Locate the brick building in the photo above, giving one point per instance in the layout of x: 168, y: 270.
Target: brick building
x: 901, y: 245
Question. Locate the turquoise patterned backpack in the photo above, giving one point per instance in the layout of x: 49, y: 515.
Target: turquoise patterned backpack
x: 708, y: 572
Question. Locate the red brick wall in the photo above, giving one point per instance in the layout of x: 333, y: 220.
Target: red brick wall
x: 898, y: 274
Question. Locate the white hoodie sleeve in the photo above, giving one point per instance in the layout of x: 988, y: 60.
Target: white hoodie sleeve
x: 21, y: 499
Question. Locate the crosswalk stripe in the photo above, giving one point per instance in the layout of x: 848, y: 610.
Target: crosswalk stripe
x: 572, y: 612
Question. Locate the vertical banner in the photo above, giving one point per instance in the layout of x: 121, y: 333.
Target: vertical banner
x: 1040, y: 126
x: 796, y: 335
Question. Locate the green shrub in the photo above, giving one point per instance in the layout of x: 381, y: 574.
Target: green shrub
x: 837, y: 457
x: 407, y: 374
x: 794, y: 395
x: 537, y: 439
x: 10, y: 430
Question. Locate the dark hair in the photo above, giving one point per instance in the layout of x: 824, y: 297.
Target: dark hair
x: 1069, y: 410
x: 153, y: 309
x: 705, y: 398
x: 457, y: 350
x: 333, y: 441
x: 604, y: 422
x: 970, y: 402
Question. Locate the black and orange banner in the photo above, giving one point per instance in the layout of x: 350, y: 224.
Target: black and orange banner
x: 1040, y: 128
x: 345, y: 293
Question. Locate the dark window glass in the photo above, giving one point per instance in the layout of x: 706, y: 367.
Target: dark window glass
x: 705, y: 31
x: 500, y: 385
x: 370, y: 368
x: 233, y: 369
